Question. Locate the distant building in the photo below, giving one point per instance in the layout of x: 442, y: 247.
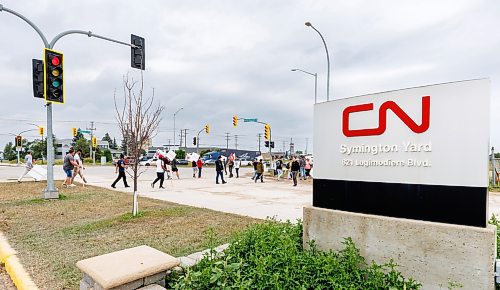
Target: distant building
x: 103, y: 145
x: 62, y: 147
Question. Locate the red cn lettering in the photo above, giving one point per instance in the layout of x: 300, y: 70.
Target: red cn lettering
x: 382, y: 118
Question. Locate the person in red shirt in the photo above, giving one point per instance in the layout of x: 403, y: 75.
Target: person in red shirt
x: 199, y: 164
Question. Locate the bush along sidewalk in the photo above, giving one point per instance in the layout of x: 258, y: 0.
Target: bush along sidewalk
x: 270, y: 256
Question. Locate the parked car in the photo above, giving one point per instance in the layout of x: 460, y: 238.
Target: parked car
x: 209, y: 162
x: 182, y: 162
x: 129, y: 160
x: 149, y: 162
x: 246, y: 162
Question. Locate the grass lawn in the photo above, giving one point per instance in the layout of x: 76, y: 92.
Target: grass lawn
x: 51, y: 236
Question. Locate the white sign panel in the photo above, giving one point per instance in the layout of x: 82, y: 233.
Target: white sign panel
x: 436, y: 135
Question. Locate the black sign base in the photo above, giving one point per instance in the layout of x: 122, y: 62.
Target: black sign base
x: 436, y: 203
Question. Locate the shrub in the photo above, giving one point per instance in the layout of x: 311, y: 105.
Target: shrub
x: 271, y: 256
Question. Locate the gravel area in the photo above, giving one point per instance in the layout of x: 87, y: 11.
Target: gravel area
x: 5, y: 282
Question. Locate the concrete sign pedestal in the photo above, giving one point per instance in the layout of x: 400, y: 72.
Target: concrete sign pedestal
x: 434, y: 254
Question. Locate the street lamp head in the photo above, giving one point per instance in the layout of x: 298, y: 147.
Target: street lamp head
x: 293, y: 69
x: 308, y: 24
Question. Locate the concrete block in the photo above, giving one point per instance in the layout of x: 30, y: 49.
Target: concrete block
x: 198, y: 256
x: 187, y: 262
x: 155, y: 278
x: 432, y: 253
x: 130, y: 285
x: 126, y: 266
x: 152, y: 287
x: 88, y: 279
x: 86, y: 286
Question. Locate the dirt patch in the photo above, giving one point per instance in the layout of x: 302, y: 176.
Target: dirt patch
x: 51, y: 236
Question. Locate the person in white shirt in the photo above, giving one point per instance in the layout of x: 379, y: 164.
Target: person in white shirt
x: 78, y: 169
x: 28, y: 165
x: 237, y: 165
x: 160, y: 173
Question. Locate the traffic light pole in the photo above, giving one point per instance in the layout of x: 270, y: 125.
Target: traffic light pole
x: 51, y: 191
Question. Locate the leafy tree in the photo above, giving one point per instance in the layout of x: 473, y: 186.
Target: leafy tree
x: 107, y: 138
x: 205, y: 151
x: 8, y: 152
x: 114, y: 145
x: 108, y: 155
x: 180, y: 154
x: 84, y: 145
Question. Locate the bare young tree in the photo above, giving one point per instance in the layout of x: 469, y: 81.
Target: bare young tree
x: 138, y: 118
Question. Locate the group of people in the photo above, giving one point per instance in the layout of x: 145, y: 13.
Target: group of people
x: 164, y: 165
x: 297, y: 167
x: 221, y: 165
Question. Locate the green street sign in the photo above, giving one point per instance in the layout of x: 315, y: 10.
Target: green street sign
x: 250, y: 120
x: 84, y: 131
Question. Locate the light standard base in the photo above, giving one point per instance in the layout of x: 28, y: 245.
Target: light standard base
x: 50, y: 194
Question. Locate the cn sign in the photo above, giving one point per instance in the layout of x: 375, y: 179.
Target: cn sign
x: 419, y: 142
x: 382, y: 118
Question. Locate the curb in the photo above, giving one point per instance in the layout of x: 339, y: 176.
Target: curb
x: 16, y: 271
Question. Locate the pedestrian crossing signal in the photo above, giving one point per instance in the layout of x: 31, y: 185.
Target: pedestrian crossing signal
x: 94, y: 142
x: 40, y: 131
x: 75, y: 132
x: 235, y: 120
x: 267, y: 131
x: 207, y: 128
x: 194, y: 140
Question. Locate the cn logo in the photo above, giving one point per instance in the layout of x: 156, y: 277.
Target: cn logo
x: 382, y: 118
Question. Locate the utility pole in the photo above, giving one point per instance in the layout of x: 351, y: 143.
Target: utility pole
x: 180, y: 140
x: 227, y: 141
x: 260, y: 136
x: 91, y: 129
x: 236, y: 142
x: 185, y: 138
x: 284, y: 144
x: 292, y: 147
x: 307, y: 144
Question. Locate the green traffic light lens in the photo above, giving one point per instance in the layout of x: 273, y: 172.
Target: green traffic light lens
x: 56, y: 84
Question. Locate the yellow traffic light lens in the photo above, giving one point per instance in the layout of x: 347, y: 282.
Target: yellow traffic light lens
x: 56, y: 73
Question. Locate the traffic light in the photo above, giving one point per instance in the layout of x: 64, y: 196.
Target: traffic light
x: 94, y: 142
x: 267, y: 131
x: 266, y: 144
x: 194, y: 140
x: 207, y: 128
x: 75, y: 132
x: 137, y: 57
x: 272, y: 144
x: 235, y: 120
x: 40, y: 131
x: 37, y: 78
x: 53, y: 76
x: 19, y: 141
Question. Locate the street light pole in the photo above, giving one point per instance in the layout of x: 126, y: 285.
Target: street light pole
x: 42, y: 136
x: 327, y: 60
x: 174, y: 124
x: 315, y: 75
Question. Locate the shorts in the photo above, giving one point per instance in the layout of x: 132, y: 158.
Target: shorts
x: 175, y: 169
x: 69, y: 173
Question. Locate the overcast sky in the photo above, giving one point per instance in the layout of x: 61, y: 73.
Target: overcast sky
x: 220, y: 58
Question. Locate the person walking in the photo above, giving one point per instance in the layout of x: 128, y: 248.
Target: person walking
x: 219, y: 167
x: 230, y: 164
x: 295, y: 167
x: 68, y: 166
x: 199, y: 165
x: 194, y: 166
x: 260, y: 171
x: 78, y: 170
x: 237, y: 165
x: 160, y: 173
x: 174, y: 168
x: 308, y: 168
x: 168, y: 168
x: 28, y: 165
x: 279, y: 169
x: 120, y: 169
x: 302, y: 164
x: 254, y: 164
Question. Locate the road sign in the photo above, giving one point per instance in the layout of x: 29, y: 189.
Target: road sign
x: 84, y: 131
x: 250, y: 120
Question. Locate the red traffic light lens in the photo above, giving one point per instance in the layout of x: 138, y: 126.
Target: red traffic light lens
x: 55, y: 61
